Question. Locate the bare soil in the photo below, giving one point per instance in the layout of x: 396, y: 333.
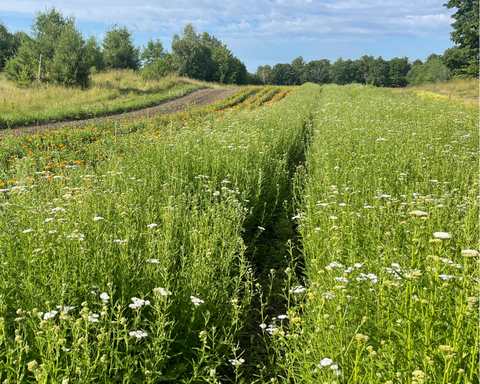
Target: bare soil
x: 194, y: 99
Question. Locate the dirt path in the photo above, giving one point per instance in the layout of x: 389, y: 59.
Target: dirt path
x: 194, y: 99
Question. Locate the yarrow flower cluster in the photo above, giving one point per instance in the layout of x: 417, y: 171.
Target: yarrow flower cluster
x: 196, y: 301
x: 235, y: 362
x: 138, y: 334
x: 297, y: 289
x: 442, y: 235
x: 105, y: 297
x: 162, y: 291
x: 327, y: 362
x: 137, y: 303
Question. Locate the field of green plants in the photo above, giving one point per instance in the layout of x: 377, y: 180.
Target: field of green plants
x: 281, y: 235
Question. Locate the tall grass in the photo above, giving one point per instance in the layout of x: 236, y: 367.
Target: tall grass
x: 122, y: 248
x: 110, y: 92
x: 464, y: 89
x: 388, y: 217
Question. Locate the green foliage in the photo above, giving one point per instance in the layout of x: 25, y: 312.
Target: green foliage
x: 432, y: 71
x: 157, y: 69
x: 9, y: 44
x: 298, y: 67
x: 119, y: 51
x: 204, y: 57
x: 344, y: 72
x: 398, y: 71
x: 56, y: 52
x: 23, y: 68
x: 466, y: 24
x: 317, y: 71
x: 69, y: 66
x: 282, y: 74
x: 263, y: 72
x: 93, y: 54
x: 379, y: 73
x: 189, y: 55
x: 152, y: 52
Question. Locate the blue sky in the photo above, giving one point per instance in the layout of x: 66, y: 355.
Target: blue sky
x: 263, y: 32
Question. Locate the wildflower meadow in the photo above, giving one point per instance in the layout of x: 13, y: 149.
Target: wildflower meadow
x: 281, y: 235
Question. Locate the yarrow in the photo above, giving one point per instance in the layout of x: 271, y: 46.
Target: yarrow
x: 297, y: 289
x: 235, y: 362
x: 469, y: 253
x: 196, y: 301
x: 162, y: 291
x: 137, y: 303
x: 138, y: 334
x: 442, y: 235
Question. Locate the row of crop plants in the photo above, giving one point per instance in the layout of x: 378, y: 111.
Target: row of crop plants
x: 122, y: 255
x: 94, y: 141
x: 388, y: 217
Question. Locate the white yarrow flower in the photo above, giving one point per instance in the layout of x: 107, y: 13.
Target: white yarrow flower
x: 162, y: 291
x: 326, y: 362
x: 235, y: 362
x: 104, y: 296
x: 298, y: 289
x: 138, y: 334
x: 442, y: 235
x: 469, y: 253
x: 196, y: 301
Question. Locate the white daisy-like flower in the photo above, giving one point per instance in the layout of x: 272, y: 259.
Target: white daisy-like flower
x: 442, y: 235
x: 28, y: 230
x: 98, y: 218
x: 281, y: 317
x: 261, y: 228
x: 196, y: 301
x: 152, y: 225
x: 469, y: 253
x: 153, y: 261
x: 358, y: 265
x: 263, y: 325
x: 334, y: 366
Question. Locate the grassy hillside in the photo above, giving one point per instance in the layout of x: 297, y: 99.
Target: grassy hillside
x: 463, y: 89
x: 110, y: 92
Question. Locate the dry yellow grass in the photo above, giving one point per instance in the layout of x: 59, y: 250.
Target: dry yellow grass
x: 463, y: 89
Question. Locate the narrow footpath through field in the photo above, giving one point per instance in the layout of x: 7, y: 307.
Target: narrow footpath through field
x: 195, y: 99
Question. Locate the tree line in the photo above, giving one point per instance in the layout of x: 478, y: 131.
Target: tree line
x: 56, y: 51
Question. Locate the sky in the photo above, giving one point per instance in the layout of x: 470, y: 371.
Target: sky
x: 263, y: 32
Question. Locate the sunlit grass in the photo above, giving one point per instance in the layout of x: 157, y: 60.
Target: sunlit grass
x: 388, y: 216
x: 464, y: 89
x: 110, y: 92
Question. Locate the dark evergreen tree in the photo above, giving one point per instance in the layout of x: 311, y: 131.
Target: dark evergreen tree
x: 69, y: 66
x: 119, y: 51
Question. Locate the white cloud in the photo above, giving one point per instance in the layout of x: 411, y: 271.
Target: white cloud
x: 295, y: 18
